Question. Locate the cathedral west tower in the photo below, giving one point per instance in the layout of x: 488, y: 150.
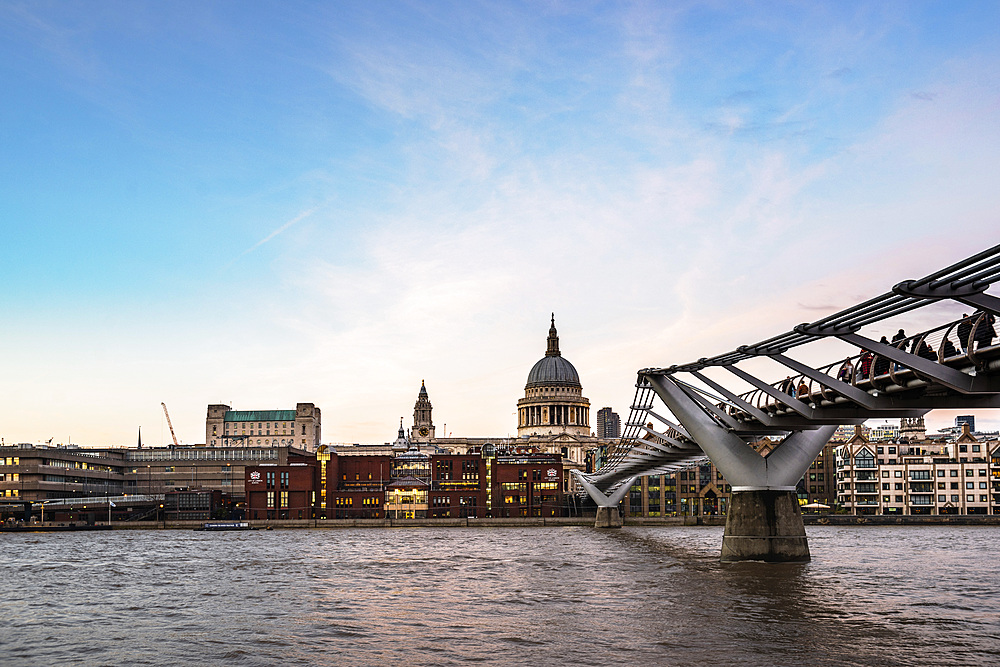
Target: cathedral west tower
x: 423, y: 425
x: 553, y: 400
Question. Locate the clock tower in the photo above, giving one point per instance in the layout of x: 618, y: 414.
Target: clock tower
x: 423, y: 426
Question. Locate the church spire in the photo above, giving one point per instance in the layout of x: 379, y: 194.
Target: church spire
x: 553, y: 346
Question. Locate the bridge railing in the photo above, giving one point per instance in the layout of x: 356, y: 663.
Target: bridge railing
x: 965, y: 342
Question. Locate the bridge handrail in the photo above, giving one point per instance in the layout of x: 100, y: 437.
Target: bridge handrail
x: 857, y: 371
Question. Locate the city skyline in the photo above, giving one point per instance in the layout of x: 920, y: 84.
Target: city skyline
x: 296, y: 203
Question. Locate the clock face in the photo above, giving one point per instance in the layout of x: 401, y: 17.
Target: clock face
x: 424, y: 430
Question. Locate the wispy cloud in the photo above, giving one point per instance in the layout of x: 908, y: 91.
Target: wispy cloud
x: 299, y: 218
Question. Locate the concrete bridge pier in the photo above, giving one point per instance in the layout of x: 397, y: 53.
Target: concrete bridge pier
x: 764, y: 525
x: 608, y: 515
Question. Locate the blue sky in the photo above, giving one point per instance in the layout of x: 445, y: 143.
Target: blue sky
x: 266, y: 203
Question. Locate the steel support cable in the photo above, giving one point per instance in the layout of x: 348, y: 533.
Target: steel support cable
x: 703, y: 392
x: 968, y: 275
x: 989, y: 276
x: 875, y: 302
x: 938, y: 276
x: 883, y: 309
x: 899, y: 310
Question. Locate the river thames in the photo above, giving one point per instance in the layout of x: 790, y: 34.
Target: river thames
x: 499, y: 596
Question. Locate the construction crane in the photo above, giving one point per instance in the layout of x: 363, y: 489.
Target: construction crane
x: 172, y: 434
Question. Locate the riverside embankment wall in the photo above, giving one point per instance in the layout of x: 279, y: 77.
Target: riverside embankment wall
x: 524, y: 522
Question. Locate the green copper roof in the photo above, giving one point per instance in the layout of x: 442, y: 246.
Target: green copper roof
x: 260, y: 415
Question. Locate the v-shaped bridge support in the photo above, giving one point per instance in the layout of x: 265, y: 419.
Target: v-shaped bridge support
x: 607, y: 505
x: 764, y: 521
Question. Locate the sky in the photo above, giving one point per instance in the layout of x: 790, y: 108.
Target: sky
x: 267, y: 203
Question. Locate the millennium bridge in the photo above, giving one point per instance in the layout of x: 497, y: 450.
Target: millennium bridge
x: 952, y: 365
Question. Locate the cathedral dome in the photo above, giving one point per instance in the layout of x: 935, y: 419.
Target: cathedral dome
x: 553, y: 371
x: 553, y: 368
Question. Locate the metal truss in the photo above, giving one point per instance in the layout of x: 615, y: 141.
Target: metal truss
x: 954, y: 365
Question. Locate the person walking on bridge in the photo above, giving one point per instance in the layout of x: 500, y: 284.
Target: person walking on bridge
x: 882, y: 363
x: 964, y: 331
x: 985, y: 333
x: 866, y: 364
x: 898, y: 341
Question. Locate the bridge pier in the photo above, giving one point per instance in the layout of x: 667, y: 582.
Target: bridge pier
x: 608, y: 517
x: 607, y: 505
x: 765, y: 525
x: 764, y: 521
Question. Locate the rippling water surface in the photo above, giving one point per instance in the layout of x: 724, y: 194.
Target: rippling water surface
x: 445, y: 596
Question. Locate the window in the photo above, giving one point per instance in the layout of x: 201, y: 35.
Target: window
x: 941, y: 485
x: 976, y: 448
x: 970, y: 499
x: 940, y: 473
x: 953, y: 473
x: 892, y: 450
x: 284, y: 499
x: 864, y: 459
x: 899, y: 499
x: 982, y: 485
x: 885, y: 473
x: 942, y: 498
x: 982, y: 472
x: 983, y: 499
x: 897, y: 473
x: 899, y: 486
x: 970, y: 485
x: 920, y: 474
x: 968, y: 472
x: 954, y: 485
x: 963, y: 448
x: 885, y: 499
x: 885, y: 486
x: 954, y: 498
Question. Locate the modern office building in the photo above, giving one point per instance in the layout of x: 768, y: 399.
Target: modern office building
x: 966, y: 419
x: 609, y: 426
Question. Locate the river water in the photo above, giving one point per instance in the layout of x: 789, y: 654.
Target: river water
x: 877, y: 595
